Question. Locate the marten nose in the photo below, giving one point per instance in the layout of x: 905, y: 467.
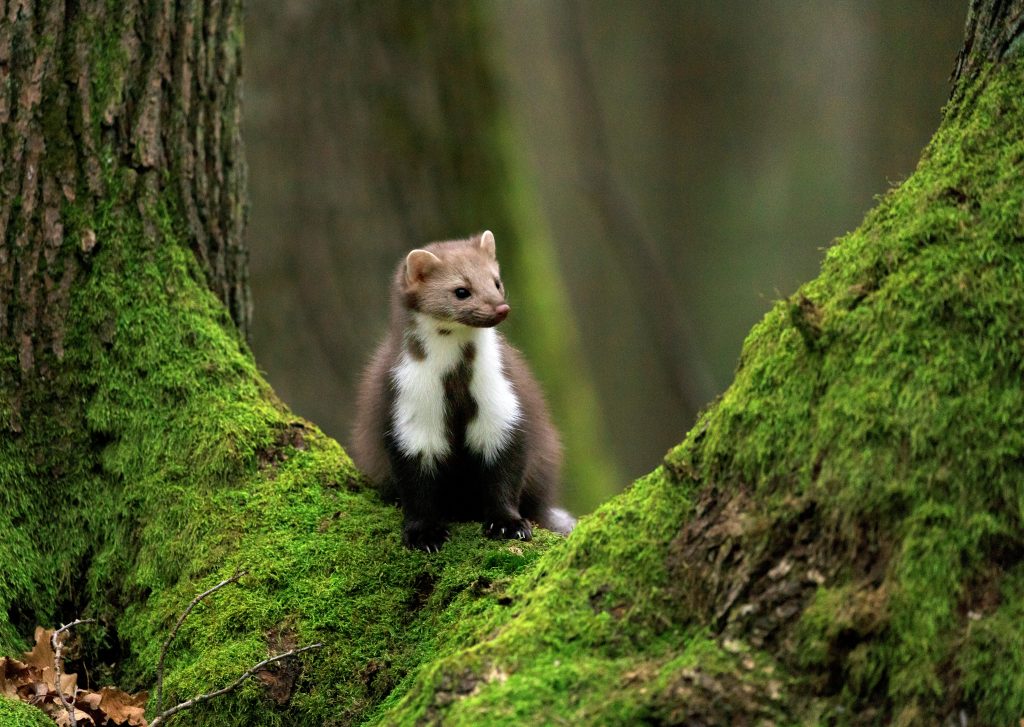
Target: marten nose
x: 501, y: 312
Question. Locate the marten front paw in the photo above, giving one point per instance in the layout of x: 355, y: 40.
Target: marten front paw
x: 425, y: 536
x: 511, y: 528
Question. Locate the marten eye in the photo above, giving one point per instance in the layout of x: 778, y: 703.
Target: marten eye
x: 461, y: 293
x: 497, y: 284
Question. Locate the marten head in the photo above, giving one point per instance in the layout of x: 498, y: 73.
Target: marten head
x: 456, y: 282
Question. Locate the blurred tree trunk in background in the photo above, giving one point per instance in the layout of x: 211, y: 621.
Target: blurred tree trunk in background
x: 378, y: 128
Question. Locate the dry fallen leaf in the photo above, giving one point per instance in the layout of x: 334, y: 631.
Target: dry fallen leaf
x: 41, y: 658
x: 33, y: 681
x: 63, y: 719
x: 90, y: 699
x: 13, y: 674
x: 122, y: 707
x: 41, y: 655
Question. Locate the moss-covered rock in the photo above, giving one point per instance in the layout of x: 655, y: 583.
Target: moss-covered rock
x: 894, y: 428
x: 590, y: 636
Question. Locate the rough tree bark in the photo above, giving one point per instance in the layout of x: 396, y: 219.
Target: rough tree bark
x: 114, y: 118
x: 88, y: 92
x: 839, y: 539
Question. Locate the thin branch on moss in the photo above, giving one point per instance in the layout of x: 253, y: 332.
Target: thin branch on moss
x: 249, y: 673
x: 174, y: 632
x: 58, y: 646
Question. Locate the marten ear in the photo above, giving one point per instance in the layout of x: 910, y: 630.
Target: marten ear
x: 487, y: 243
x: 418, y: 263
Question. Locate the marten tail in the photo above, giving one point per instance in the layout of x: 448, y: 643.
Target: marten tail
x: 556, y: 520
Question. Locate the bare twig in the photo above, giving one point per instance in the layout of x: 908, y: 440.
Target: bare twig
x: 58, y: 647
x: 249, y: 673
x: 163, y: 716
x: 174, y: 632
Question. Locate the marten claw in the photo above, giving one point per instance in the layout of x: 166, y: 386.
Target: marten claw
x: 425, y: 537
x: 508, y: 530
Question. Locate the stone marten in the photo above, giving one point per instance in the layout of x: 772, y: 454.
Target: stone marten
x: 449, y: 421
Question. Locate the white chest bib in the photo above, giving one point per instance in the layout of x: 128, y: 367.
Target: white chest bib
x: 419, y: 417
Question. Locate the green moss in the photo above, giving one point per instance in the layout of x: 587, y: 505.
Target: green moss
x: 573, y: 627
x: 24, y: 593
x: 19, y: 714
x: 108, y: 58
x: 902, y: 418
x: 992, y: 657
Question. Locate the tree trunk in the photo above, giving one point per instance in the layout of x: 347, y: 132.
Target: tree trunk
x: 144, y: 97
x: 839, y: 539
x: 118, y: 131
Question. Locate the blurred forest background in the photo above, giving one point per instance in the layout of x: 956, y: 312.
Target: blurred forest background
x: 655, y: 173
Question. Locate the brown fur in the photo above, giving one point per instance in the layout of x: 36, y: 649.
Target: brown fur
x: 462, y: 264
x: 425, y: 284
